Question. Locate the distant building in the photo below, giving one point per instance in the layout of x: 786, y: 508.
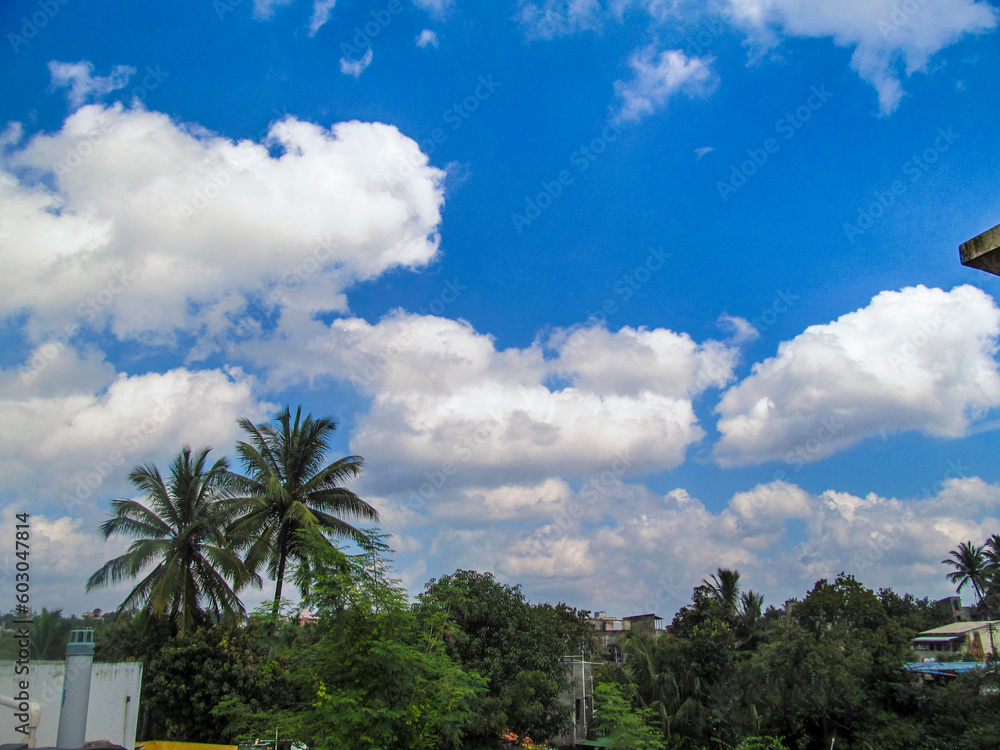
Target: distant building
x: 956, y: 611
x: 647, y: 623
x: 610, y: 629
x: 971, y: 638
x: 580, y: 697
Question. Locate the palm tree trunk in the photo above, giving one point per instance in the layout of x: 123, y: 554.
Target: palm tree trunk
x: 277, y: 584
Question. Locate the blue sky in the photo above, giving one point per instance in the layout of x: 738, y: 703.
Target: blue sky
x: 607, y: 294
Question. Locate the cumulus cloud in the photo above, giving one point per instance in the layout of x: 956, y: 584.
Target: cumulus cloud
x: 64, y: 551
x: 356, y: 67
x: 442, y: 391
x: 427, y: 38
x: 126, y: 218
x: 83, y: 85
x: 888, y: 38
x: 633, y: 550
x: 657, y: 76
x: 918, y: 359
x: 75, y: 428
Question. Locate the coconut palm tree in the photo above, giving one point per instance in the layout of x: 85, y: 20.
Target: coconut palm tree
x: 287, y: 489
x: 973, y: 565
x: 179, y: 528
x: 724, y: 587
x: 750, y: 618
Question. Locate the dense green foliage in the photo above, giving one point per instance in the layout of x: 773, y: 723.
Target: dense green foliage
x: 515, y: 646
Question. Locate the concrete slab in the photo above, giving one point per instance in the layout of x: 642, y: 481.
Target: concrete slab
x: 982, y: 252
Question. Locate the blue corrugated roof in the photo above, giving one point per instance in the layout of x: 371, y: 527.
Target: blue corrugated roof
x: 944, y: 668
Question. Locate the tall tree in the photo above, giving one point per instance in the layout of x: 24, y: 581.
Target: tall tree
x: 287, y: 489
x: 179, y: 528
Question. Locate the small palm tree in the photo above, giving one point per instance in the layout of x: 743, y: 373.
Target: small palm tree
x: 287, y: 489
x: 750, y: 618
x: 179, y: 529
x: 724, y: 587
x: 49, y: 633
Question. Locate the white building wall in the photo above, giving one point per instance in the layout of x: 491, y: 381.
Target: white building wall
x: 114, y: 701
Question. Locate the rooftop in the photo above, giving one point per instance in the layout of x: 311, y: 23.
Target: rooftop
x: 957, y: 628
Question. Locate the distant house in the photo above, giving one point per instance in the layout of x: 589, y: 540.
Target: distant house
x: 956, y: 611
x: 971, y: 638
x: 647, y: 623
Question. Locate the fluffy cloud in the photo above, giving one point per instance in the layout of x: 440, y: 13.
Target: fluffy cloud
x: 441, y: 391
x: 630, y: 550
x: 83, y: 85
x: 883, y: 33
x: 658, y: 76
x: 128, y: 218
x: 75, y: 429
x: 919, y: 359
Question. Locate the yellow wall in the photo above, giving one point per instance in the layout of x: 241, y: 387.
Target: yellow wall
x: 160, y: 745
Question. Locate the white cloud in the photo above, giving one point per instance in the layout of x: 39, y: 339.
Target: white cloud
x: 320, y: 14
x: 919, y: 359
x: 442, y: 392
x: 657, y: 77
x: 435, y: 7
x: 427, y: 38
x: 64, y: 552
x: 83, y: 85
x: 632, y: 360
x: 264, y: 9
x: 636, y: 551
x: 356, y: 67
x: 883, y: 33
x: 154, y: 227
x: 552, y: 18
x: 741, y: 331
x: 75, y: 429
